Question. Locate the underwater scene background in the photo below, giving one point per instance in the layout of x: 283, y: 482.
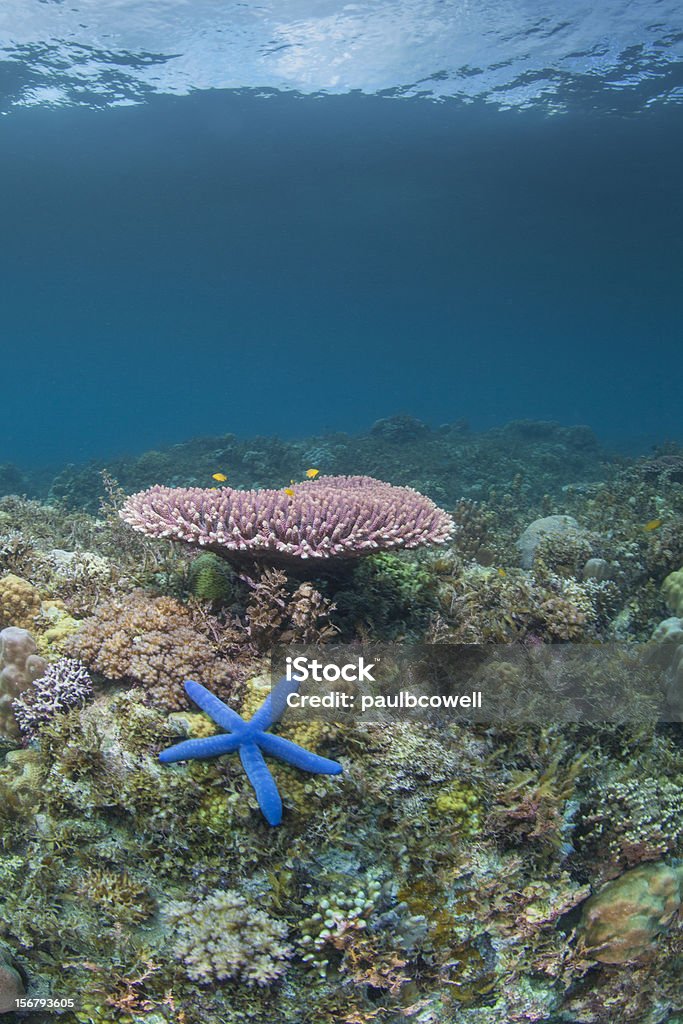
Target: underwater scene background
x: 340, y: 324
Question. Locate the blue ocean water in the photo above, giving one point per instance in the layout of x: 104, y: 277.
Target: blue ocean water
x: 299, y: 217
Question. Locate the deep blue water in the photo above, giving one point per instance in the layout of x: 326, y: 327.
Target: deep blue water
x: 224, y: 262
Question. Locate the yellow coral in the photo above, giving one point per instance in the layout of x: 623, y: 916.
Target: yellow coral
x: 194, y: 726
x: 19, y: 602
x: 216, y: 811
x: 460, y: 804
x: 51, y: 641
x: 255, y: 692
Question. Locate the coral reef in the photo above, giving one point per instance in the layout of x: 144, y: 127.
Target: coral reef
x: 478, y: 872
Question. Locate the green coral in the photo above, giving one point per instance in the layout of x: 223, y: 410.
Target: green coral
x: 210, y: 578
x: 393, y: 593
x: 459, y: 804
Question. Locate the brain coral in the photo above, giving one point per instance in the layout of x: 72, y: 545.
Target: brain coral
x: 332, y: 518
x: 151, y: 641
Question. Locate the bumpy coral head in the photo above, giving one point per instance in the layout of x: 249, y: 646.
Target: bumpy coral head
x: 329, y: 520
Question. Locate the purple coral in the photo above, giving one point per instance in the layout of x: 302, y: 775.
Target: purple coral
x: 64, y: 685
x: 333, y: 518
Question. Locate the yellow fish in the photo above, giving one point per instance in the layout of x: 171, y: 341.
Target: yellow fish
x: 289, y: 491
x: 653, y: 524
x: 312, y: 473
x: 501, y: 572
x: 221, y: 477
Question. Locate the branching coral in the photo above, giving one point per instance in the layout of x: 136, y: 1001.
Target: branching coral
x: 223, y: 936
x: 634, y: 820
x: 116, y: 895
x: 64, y: 685
x: 153, y: 641
x: 274, y: 614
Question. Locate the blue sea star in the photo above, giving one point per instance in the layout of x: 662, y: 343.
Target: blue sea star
x: 249, y: 739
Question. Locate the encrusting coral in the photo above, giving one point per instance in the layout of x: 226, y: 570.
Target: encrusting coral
x: 11, y: 985
x: 622, y: 922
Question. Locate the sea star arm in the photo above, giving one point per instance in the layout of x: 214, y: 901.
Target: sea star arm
x: 263, y: 782
x: 215, y: 708
x: 292, y: 753
x: 209, y: 746
x: 275, y: 704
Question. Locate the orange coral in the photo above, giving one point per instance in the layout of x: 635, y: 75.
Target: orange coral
x: 155, y: 642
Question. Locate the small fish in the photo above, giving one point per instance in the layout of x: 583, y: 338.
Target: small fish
x: 289, y: 491
x: 653, y: 524
x: 221, y: 477
x: 312, y: 473
x: 501, y: 572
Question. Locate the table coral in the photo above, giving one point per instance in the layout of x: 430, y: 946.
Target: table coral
x: 330, y: 519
